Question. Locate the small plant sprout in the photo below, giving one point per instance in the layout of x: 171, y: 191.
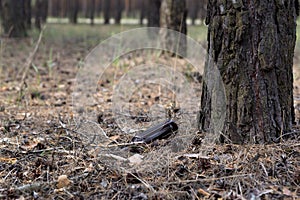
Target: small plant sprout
x: 50, y: 62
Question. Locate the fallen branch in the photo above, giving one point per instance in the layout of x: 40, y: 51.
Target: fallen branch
x: 30, y: 60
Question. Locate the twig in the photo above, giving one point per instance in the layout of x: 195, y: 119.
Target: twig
x: 286, y: 134
x: 8, y: 174
x: 235, y: 195
x: 122, y: 144
x: 49, y: 149
x: 68, y: 193
x: 265, y: 171
x: 32, y: 186
x: 10, y: 31
x: 206, y: 179
x: 30, y: 60
x: 116, y: 157
x: 141, y: 180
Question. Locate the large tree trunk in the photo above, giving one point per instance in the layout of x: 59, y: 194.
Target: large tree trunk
x: 13, y: 19
x: 173, y: 16
x: 251, y: 44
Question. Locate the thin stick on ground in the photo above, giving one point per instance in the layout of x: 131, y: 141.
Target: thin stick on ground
x: 206, y: 179
x: 30, y: 60
x: 144, y: 182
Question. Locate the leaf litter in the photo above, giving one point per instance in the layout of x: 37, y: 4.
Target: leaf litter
x: 43, y: 153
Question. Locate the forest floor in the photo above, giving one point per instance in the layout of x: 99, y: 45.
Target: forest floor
x: 45, y: 153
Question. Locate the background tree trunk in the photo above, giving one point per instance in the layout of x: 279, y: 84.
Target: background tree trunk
x: 44, y: 11
x: 193, y: 8
x: 13, y: 18
x: 142, y: 10
x: 41, y: 12
x: 173, y: 16
x: 153, y: 13
x: 27, y: 10
x: 118, y: 11
x: 73, y: 11
x: 252, y: 45
x: 63, y: 7
x: 106, y: 11
x: 92, y: 11
x: 202, y: 10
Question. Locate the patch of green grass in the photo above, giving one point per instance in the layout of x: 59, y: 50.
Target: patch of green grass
x: 198, y: 33
x: 58, y: 33
x: 92, y: 35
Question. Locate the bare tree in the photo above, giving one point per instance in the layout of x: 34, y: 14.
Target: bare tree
x: 252, y: 46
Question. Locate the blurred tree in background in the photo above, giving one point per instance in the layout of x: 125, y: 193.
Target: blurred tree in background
x: 13, y: 18
x: 153, y: 13
x: 173, y: 16
x: 18, y: 16
x: 41, y: 12
x: 73, y: 11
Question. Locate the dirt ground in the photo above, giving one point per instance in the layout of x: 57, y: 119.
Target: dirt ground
x: 45, y: 154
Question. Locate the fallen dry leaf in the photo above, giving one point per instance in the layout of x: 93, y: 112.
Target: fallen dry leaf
x: 63, y: 181
x: 136, y: 159
x: 90, y: 168
x: 203, y: 192
x: 8, y: 160
x: 286, y: 191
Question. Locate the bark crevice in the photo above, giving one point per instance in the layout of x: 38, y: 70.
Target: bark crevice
x: 252, y: 45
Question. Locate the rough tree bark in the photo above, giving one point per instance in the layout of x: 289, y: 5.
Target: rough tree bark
x: 13, y: 18
x: 173, y: 16
x: 251, y: 43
